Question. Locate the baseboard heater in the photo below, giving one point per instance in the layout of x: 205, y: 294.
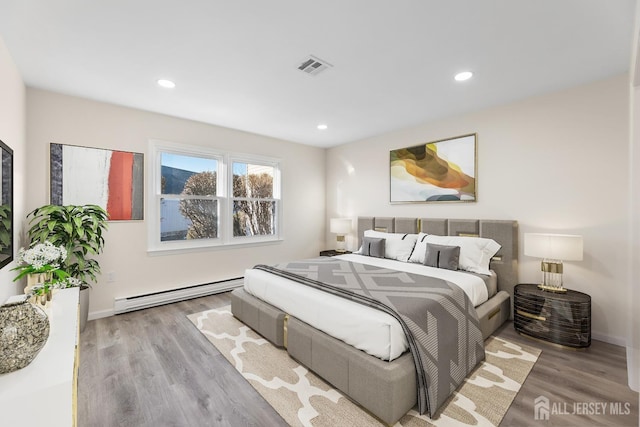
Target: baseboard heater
x: 139, y: 302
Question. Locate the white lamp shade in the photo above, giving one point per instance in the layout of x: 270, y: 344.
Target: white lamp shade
x: 564, y: 247
x: 340, y: 225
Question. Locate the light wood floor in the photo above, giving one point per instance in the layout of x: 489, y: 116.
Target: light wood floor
x: 153, y: 368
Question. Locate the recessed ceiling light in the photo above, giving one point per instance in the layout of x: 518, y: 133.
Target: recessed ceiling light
x: 322, y: 126
x: 166, y: 83
x: 465, y: 75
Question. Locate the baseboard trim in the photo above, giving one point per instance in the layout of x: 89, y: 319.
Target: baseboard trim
x: 139, y: 302
x: 621, y: 341
x: 100, y: 314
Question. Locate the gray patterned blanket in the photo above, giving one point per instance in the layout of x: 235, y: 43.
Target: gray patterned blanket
x: 437, y: 317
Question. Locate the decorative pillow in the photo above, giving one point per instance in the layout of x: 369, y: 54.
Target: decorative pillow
x: 420, y: 249
x: 373, y: 246
x: 442, y: 256
x: 475, y: 252
x: 397, y: 245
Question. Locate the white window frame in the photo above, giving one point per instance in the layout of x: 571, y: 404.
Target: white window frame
x: 262, y: 161
x: 224, y: 197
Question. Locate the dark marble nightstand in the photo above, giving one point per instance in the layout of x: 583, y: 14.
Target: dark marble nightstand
x: 560, y: 318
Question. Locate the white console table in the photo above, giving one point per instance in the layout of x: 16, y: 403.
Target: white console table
x: 45, y: 392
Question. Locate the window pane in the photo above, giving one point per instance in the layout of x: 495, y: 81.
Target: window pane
x: 255, y: 181
x: 252, y: 218
x: 184, y: 219
x: 188, y: 175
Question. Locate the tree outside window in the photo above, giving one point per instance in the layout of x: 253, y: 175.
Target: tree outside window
x: 253, y: 202
x: 189, y: 207
x: 200, y: 212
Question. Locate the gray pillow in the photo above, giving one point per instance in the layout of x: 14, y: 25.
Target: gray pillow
x: 373, y: 246
x: 441, y: 256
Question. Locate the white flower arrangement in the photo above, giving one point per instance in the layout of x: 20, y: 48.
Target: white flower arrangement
x: 43, y: 254
x: 42, y: 258
x: 69, y: 282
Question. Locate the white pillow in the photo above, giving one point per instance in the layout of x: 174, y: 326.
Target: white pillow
x: 420, y: 250
x: 397, y: 245
x: 475, y: 252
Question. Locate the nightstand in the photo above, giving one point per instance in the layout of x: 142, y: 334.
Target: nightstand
x: 560, y: 318
x: 333, y: 252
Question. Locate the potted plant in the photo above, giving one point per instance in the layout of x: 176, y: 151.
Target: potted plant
x: 79, y: 229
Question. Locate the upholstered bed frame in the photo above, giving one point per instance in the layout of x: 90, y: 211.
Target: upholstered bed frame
x: 386, y: 389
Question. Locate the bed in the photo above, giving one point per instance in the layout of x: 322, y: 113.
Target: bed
x: 381, y: 380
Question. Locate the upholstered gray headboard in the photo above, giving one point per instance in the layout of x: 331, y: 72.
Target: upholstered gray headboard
x: 505, y: 232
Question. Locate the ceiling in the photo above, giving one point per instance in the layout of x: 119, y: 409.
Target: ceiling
x: 235, y: 62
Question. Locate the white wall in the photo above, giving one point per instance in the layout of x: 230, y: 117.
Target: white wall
x: 12, y: 133
x: 633, y: 348
x: 555, y: 163
x: 63, y: 119
x: 633, y: 320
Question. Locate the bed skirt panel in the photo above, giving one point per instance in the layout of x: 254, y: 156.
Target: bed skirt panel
x: 386, y: 389
x: 493, y: 313
x: 263, y: 318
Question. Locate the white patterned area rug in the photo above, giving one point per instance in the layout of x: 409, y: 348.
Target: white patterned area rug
x: 303, y: 399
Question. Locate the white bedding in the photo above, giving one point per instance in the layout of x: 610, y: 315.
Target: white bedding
x: 365, y: 328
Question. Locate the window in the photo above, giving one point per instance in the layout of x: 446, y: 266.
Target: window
x: 203, y: 198
x: 188, y: 203
x: 254, y: 205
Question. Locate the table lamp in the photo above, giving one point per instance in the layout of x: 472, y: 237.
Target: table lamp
x: 553, y: 249
x: 341, y: 227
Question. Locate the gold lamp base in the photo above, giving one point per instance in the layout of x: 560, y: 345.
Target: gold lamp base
x: 551, y: 276
x: 552, y: 289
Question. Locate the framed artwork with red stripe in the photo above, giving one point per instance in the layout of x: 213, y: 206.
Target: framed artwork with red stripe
x: 110, y: 179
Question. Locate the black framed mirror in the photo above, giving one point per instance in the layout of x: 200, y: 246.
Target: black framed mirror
x: 6, y: 207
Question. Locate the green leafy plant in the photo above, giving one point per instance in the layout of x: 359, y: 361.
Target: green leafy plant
x: 5, y: 227
x: 79, y: 229
x: 41, y: 289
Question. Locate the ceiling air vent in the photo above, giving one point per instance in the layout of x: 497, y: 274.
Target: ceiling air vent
x: 313, y: 65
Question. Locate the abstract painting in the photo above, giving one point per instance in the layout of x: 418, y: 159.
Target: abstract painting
x: 439, y: 171
x: 110, y: 179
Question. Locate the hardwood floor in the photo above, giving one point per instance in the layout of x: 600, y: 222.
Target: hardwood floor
x: 153, y: 368
x: 572, y: 381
